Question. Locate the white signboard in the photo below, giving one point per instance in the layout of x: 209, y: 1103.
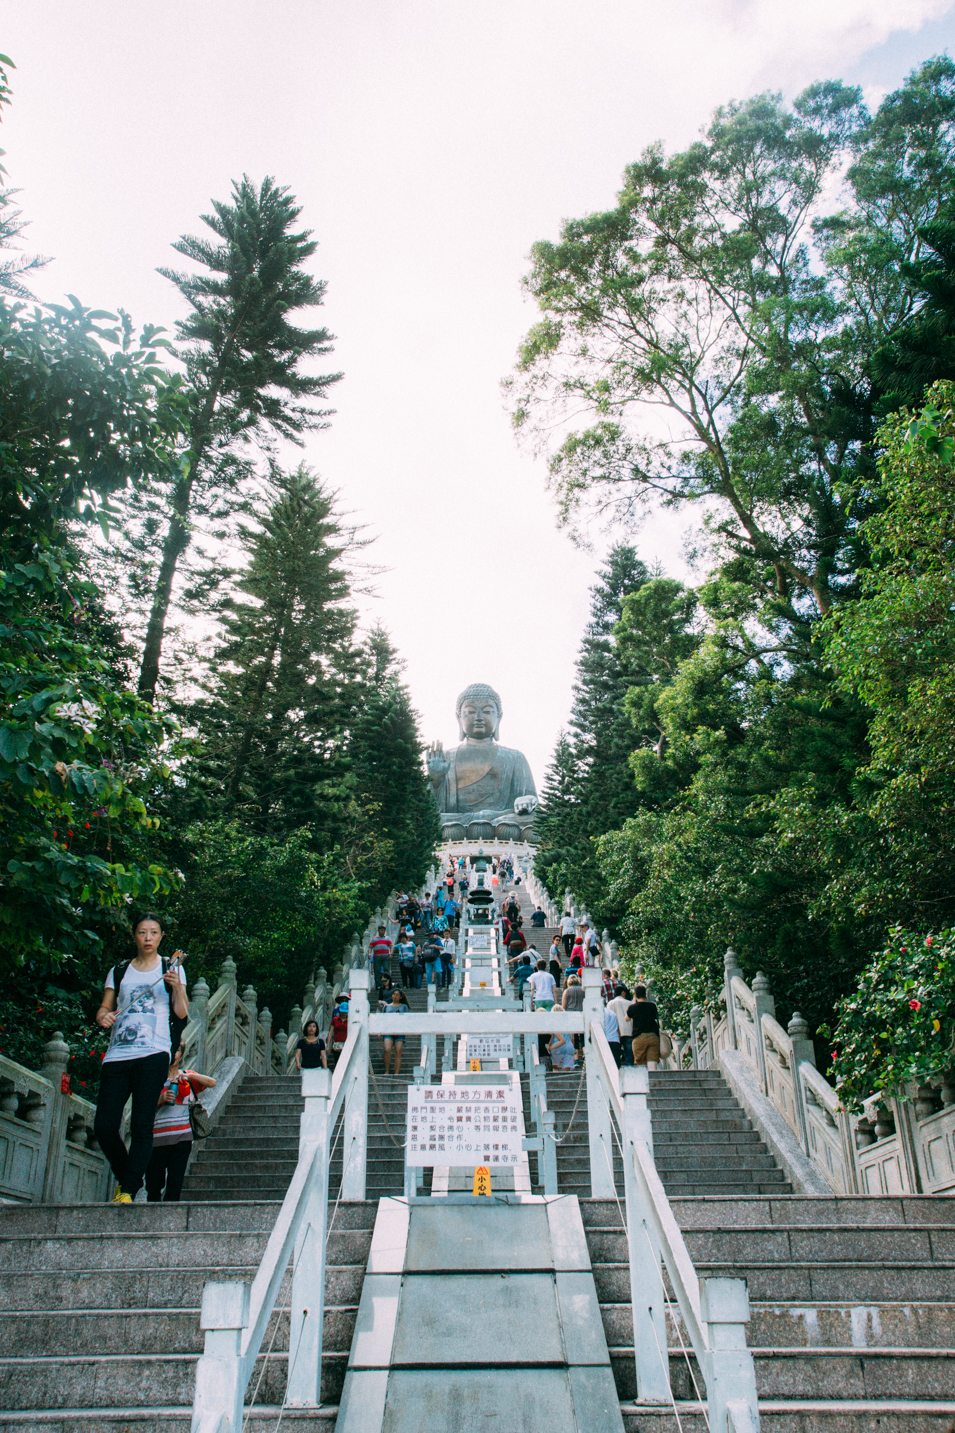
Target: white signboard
x: 490, y: 1047
x: 465, y: 1124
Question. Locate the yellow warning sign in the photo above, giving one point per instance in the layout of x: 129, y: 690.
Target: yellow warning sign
x: 483, y: 985
x: 475, y: 1065
x: 482, y: 1180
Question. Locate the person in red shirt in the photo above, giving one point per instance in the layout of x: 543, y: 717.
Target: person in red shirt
x: 338, y: 1033
x: 380, y: 949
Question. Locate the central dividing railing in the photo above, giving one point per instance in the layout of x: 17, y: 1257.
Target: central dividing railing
x: 712, y: 1312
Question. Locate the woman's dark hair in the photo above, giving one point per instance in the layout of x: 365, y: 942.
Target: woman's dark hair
x: 146, y: 916
x: 307, y: 1026
x: 640, y: 992
x: 396, y: 990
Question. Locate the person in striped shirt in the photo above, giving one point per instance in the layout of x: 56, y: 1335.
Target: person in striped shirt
x: 172, y: 1132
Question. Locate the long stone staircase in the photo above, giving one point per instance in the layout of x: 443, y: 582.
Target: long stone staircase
x: 852, y: 1300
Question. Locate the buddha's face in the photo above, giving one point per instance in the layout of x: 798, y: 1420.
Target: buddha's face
x: 480, y: 720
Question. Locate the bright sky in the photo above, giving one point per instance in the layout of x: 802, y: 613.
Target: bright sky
x: 430, y: 143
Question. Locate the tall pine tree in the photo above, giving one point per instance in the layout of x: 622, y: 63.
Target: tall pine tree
x: 281, y: 685
x: 589, y: 789
x: 243, y: 360
x: 386, y: 755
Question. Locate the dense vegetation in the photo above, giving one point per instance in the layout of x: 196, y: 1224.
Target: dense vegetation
x: 190, y: 717
x: 765, y: 759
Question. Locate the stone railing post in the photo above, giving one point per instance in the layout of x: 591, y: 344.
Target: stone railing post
x: 308, y: 1010
x: 765, y: 1005
x: 731, y: 1381
x: 280, y: 1052
x: 696, y: 1015
x: 649, y: 1317
x: 220, y: 1392
x: 802, y: 1054
x: 731, y: 968
x: 600, y: 1134
x: 265, y: 1038
x: 56, y: 1109
x: 295, y: 1022
x: 199, y: 1011
x: 320, y: 999
x: 227, y: 974
x: 355, y: 1114
x: 251, y: 1001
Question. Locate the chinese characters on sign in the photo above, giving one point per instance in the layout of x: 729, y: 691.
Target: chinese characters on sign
x: 490, y: 1047
x: 465, y: 1124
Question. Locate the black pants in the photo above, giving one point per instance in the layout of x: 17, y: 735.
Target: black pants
x: 143, y: 1079
x: 568, y: 944
x: 167, y: 1166
x: 616, y: 1049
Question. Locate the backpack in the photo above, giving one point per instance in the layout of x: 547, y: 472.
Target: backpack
x: 177, y: 1023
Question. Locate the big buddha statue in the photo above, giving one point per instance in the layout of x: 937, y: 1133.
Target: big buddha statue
x: 482, y: 789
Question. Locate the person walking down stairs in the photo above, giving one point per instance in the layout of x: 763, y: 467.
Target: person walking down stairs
x: 144, y: 1007
x: 172, y: 1131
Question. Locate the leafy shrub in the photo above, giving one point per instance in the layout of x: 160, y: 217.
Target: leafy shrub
x: 899, y: 1023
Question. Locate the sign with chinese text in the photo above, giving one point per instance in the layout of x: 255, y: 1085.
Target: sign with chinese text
x: 465, y: 1124
x: 490, y: 1047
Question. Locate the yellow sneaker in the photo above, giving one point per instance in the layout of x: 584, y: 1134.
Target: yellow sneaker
x: 120, y: 1198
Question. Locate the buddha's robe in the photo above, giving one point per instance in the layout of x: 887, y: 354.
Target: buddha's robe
x: 493, y: 785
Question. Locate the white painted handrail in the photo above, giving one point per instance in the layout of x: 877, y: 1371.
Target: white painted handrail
x: 234, y: 1316
x: 714, y: 1311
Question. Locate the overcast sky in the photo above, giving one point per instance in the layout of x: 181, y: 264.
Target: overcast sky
x: 430, y: 143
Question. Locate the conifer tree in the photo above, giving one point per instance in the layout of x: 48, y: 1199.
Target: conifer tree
x: 588, y: 790
x: 243, y: 359
x: 281, y: 684
x: 386, y: 755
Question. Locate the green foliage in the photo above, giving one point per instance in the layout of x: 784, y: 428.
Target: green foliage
x: 583, y: 791
x: 77, y: 759
x: 273, y: 905
x: 279, y: 685
x: 898, y: 1024
x: 243, y: 357
x: 26, y: 1024
x: 81, y: 406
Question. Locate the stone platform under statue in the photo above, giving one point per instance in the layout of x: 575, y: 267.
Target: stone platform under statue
x: 484, y: 791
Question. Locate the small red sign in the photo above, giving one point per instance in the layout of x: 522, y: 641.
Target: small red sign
x: 64, y: 1084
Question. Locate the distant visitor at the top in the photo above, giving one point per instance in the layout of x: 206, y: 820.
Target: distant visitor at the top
x: 483, y: 790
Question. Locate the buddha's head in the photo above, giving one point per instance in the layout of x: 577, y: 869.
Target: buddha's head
x: 479, y: 712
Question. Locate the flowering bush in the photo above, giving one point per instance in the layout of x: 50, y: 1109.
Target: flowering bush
x: 899, y: 1023
x: 27, y: 1022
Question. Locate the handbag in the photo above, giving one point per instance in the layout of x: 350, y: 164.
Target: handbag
x: 200, y: 1120
x: 666, y: 1045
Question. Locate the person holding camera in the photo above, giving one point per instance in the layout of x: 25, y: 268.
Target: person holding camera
x: 172, y: 1131
x: 144, y: 1007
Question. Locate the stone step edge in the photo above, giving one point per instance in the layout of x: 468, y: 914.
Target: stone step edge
x: 748, y: 1229
x: 817, y: 1350
x: 121, y: 1415
x: 836, y: 1264
x: 806, y: 1405
x: 182, y: 1310
x: 77, y: 1359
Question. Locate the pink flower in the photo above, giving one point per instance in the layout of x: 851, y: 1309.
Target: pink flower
x: 928, y: 940
x: 915, y: 1004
